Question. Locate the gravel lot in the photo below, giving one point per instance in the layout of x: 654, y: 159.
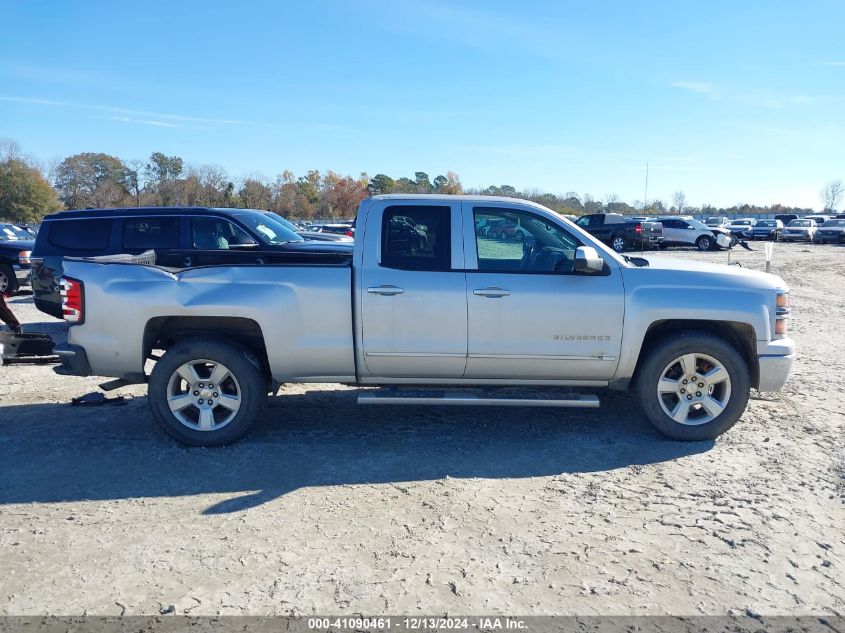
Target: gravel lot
x: 327, y: 508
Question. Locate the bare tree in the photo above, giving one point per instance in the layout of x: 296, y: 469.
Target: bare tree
x: 679, y: 201
x: 831, y: 194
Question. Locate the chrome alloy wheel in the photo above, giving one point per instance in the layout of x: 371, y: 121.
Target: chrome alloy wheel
x: 694, y: 389
x: 203, y: 395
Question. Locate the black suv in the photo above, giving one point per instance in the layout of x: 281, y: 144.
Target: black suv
x: 180, y: 237
x: 15, y: 247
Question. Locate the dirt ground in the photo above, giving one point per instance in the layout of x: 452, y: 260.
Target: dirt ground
x: 331, y: 509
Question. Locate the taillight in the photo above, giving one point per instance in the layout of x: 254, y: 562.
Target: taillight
x: 23, y: 257
x: 350, y: 234
x: 782, y: 314
x: 638, y: 228
x: 73, y: 294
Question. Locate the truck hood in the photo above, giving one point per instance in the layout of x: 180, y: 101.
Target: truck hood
x: 20, y: 245
x: 315, y: 246
x: 693, y: 273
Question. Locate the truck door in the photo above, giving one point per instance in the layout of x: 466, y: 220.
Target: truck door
x: 412, y: 290
x: 530, y: 315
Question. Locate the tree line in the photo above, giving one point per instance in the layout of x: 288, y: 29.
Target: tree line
x: 29, y: 190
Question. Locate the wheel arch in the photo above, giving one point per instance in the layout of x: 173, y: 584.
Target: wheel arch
x: 163, y: 332
x: 740, y: 335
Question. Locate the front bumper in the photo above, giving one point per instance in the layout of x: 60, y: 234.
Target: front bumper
x: 74, y: 360
x: 775, y: 363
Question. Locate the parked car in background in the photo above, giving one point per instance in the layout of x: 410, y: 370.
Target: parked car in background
x: 620, y: 232
x: 832, y: 231
x: 800, y: 230
x: 681, y: 231
x: 339, y: 229
x: 508, y: 230
x: 717, y: 221
x: 15, y: 250
x: 180, y: 237
x: 767, y: 230
x: 786, y: 218
x: 741, y: 227
x: 308, y: 235
x: 818, y: 218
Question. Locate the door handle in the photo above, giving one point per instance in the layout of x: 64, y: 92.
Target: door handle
x: 387, y: 291
x: 493, y: 293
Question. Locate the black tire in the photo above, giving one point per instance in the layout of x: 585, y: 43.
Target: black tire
x: 704, y: 243
x: 242, y: 364
x: 617, y: 243
x: 8, y: 281
x: 644, y: 387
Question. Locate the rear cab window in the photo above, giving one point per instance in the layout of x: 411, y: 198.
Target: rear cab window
x: 416, y: 237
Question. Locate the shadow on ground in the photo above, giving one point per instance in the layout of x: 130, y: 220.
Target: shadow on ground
x: 55, y: 452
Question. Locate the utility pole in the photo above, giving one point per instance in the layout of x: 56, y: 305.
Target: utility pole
x: 645, y: 195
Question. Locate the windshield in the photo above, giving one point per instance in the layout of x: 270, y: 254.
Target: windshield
x: 281, y: 220
x: 713, y: 221
x: 268, y: 229
x: 834, y: 223
x: 742, y: 222
x: 800, y: 223
x: 11, y: 232
x: 767, y: 223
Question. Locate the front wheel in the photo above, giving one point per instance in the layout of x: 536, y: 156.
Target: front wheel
x: 206, y: 391
x: 704, y: 243
x: 8, y: 281
x: 734, y: 240
x: 618, y: 243
x: 692, y: 386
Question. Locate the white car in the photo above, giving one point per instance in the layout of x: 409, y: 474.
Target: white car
x: 680, y: 231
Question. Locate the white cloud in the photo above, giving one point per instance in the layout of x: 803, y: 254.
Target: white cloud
x: 694, y: 86
x: 125, y: 111
x: 126, y: 119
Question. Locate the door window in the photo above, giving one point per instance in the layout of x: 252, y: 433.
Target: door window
x: 416, y: 238
x: 520, y: 241
x: 151, y: 233
x: 216, y: 234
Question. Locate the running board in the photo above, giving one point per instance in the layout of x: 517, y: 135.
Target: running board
x: 577, y: 401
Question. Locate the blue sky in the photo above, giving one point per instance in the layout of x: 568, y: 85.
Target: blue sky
x: 728, y: 101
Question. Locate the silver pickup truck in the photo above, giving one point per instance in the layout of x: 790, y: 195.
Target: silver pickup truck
x: 430, y: 306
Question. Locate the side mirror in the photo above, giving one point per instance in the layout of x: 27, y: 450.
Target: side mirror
x: 587, y: 260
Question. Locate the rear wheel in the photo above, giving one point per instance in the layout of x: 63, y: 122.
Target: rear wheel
x: 617, y: 243
x: 207, y: 392
x: 704, y: 243
x: 692, y: 386
x: 8, y: 281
